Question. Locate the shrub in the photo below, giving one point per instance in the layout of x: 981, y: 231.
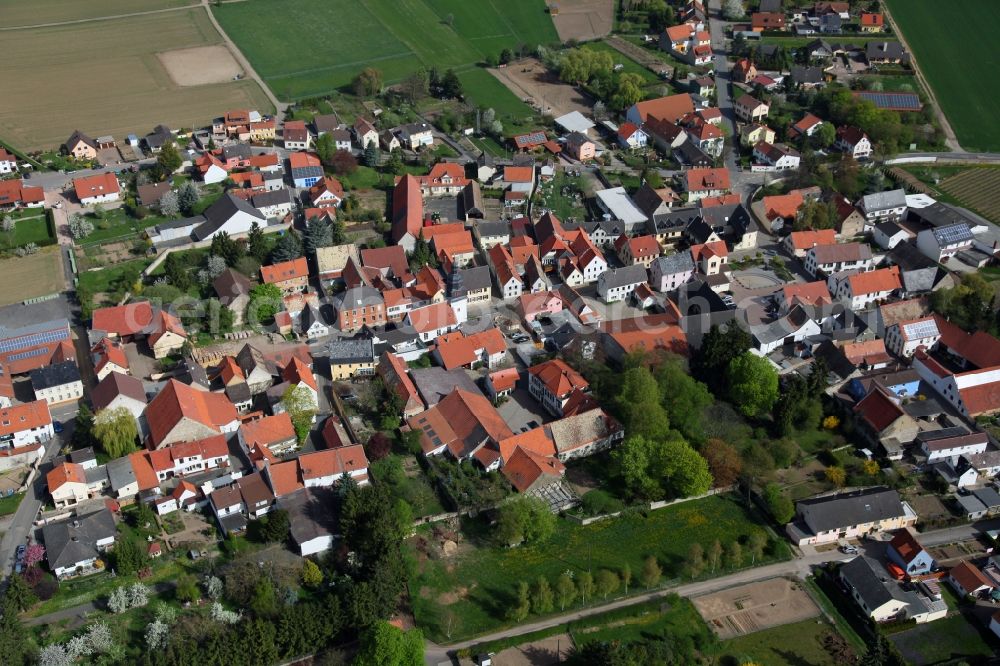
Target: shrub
x: 599, y: 502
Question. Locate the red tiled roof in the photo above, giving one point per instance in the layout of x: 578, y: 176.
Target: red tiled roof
x: 707, y: 179
x: 407, y: 208
x: 303, y: 160
x: 877, y: 281
x: 504, y: 379
x: 96, y: 185
x: 518, y: 174
x: 123, y: 320
x: 166, y: 323
x: 878, y: 410
x: 108, y: 351
x: 803, y: 240
x: 558, y: 377
x: 284, y: 478
x: 13, y: 192
x: 807, y: 293
x: 327, y: 184
x: 524, y: 468
x: 333, y: 462
x: 722, y: 200
x: 25, y: 416
x: 670, y: 108
x: 268, y: 430
x: 432, y: 317
x: 713, y: 249
x: 982, y: 399
x: 65, y: 473
x: 906, y: 545
x: 297, y: 372
x: 286, y: 270
x: 143, y: 470
x: 177, y: 401
x: 870, y: 352
x: 980, y: 348
x: 870, y: 19
x: 461, y: 421
x: 457, y: 350
x: 969, y: 577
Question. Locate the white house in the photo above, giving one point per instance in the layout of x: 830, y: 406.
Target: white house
x: 858, y: 290
x: 275, y: 204
x: 25, y: 424
x: 828, y: 259
x: 777, y: 155
x: 416, y: 135
x: 951, y: 443
x: 100, y: 188
x: 888, y: 235
x: 903, y: 338
x: 632, y: 137
x: 942, y: 242
x: 854, y: 142
x: 230, y: 214
x: 58, y: 383
x: 616, y: 285
x: 881, y: 206
x: 8, y: 163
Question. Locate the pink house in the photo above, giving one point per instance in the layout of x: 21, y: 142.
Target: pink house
x: 532, y: 306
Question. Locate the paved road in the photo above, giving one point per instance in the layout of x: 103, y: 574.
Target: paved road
x: 723, y: 81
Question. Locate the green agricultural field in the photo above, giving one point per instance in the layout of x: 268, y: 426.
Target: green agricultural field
x: 19, y: 12
x: 960, y: 65
x: 787, y: 645
x: 476, y: 589
x: 312, y: 47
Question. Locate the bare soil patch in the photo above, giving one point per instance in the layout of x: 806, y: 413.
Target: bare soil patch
x: 749, y: 608
x: 200, y: 65
x: 552, y: 650
x: 532, y: 82
x: 36, y: 275
x: 583, y: 19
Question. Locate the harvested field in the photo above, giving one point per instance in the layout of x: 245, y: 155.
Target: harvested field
x: 529, y: 79
x: 978, y: 189
x: 749, y: 608
x: 200, y: 65
x: 49, y: 70
x: 15, y: 13
x: 583, y: 19
x: 37, y: 275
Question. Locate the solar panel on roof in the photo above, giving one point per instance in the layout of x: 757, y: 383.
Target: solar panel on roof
x: 955, y: 233
x: 921, y: 329
x: 889, y: 100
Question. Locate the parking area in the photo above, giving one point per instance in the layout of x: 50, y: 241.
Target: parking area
x: 521, y: 412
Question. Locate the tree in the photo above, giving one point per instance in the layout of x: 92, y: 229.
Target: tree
x: 79, y: 226
x: 55, y: 655
x: 724, y: 462
x: 639, y: 404
x: 718, y: 348
x: 395, y: 163
x: 116, y: 431
x: 626, y: 576
x: 257, y: 245
x: 318, y: 234
x: 781, y: 508
x: 169, y: 160
x: 756, y: 545
x: 753, y: 384
x: 224, y: 246
x: 585, y: 585
x: 177, y: 271
x: 732, y: 10
x: 312, y: 575
x: 288, y: 247
x: 214, y: 266
x: 265, y: 301
x: 384, y: 644
x: 686, y: 471
x: 519, y: 612
x: 541, y: 596
x: 607, y: 582
x: 344, y: 163
x: 524, y: 519
x: 421, y: 254
x: 19, y: 594
x: 222, y: 615
x: 415, y: 85
x: 651, y: 572
x: 169, y: 204
x: 835, y: 475
x: 451, y: 86
x: 301, y: 407
x: 714, y: 555
x: 157, y: 632
x: 7, y: 224
x: 326, y: 147
x: 370, y: 156
x: 188, y: 196
x: 695, y: 563
x: 187, y: 588
x: 128, y: 557
x: 14, y: 642
x: 734, y: 555
x: 565, y: 591
x: 628, y: 91
x: 368, y: 82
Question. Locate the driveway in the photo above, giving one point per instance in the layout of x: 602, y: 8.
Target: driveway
x: 521, y: 409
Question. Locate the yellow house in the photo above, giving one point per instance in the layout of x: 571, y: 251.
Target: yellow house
x: 751, y: 135
x: 352, y: 358
x: 263, y: 130
x: 169, y: 337
x: 80, y: 146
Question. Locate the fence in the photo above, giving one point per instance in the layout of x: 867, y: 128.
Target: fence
x: 653, y: 506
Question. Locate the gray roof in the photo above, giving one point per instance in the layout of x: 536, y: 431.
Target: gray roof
x: 307, y: 172
x: 802, y: 74
x: 988, y: 496
x: 823, y: 514
x: 351, y: 351
x: 312, y: 513
x: 884, y: 200
x: 770, y: 6
x: 940, y: 215
x: 221, y: 212
x: 434, y: 384
x: 49, y: 376
x: 676, y: 219
x: 970, y: 504
x: 872, y: 582
x: 240, y: 150
x: 272, y: 198
x: 678, y: 262
x: 487, y: 229
x: 326, y: 122
x: 231, y: 283
x: 953, y: 233
x: 239, y: 393
x: 120, y: 473
x: 96, y: 474
x: 113, y: 385
x: 82, y: 455
x: 70, y: 541
x: 357, y: 296
x: 690, y: 154
x: 476, y: 278
x: 734, y: 219
x: 878, y: 49
x: 622, y: 277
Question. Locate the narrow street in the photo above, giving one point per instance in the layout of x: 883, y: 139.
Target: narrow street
x: 723, y: 81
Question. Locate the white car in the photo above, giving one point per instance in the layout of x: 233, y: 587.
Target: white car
x: 849, y: 550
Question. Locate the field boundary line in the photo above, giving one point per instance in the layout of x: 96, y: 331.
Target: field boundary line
x: 326, y: 68
x: 244, y: 62
x: 113, y: 17
x: 950, y: 137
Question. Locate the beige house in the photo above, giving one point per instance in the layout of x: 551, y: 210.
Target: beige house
x: 67, y: 484
x: 751, y: 135
x: 849, y: 515
x: 169, y: 337
x: 80, y: 146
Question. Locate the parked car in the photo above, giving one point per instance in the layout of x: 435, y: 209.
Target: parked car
x: 57, y: 426
x: 849, y: 550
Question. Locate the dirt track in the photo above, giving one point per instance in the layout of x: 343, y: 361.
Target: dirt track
x: 532, y: 82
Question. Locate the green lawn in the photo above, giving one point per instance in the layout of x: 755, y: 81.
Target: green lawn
x: 8, y: 505
x: 480, y: 586
x: 483, y: 89
x: 787, y: 645
x: 312, y: 47
x: 675, y: 618
x: 28, y: 229
x: 962, y: 68
x: 956, y: 637
x: 115, y: 225
x: 364, y: 178
x: 628, y: 65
